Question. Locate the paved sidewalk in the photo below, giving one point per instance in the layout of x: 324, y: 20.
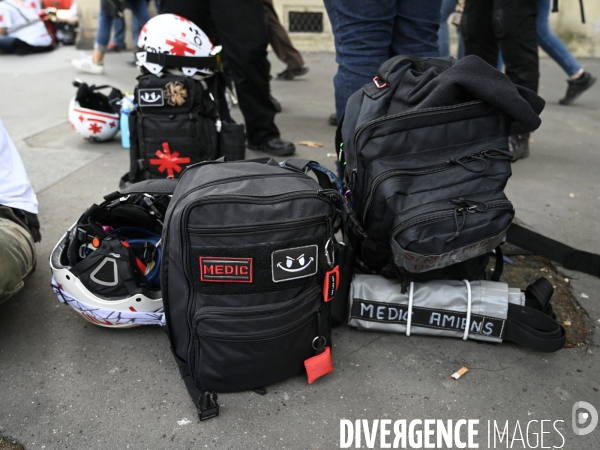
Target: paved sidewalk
x: 65, y: 383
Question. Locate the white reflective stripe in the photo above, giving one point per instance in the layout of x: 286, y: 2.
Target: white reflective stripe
x: 468, y: 325
x: 106, y: 315
x: 410, y: 305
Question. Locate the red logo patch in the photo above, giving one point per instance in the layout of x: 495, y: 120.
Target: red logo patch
x: 225, y: 270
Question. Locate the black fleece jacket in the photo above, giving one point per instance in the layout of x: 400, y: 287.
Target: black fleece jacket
x: 468, y: 79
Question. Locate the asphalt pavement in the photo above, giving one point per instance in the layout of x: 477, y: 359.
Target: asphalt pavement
x: 65, y: 383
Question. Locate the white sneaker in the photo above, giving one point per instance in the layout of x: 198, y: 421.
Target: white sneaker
x: 88, y: 66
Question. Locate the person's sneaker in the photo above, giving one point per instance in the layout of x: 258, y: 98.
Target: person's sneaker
x: 290, y: 74
x: 577, y: 87
x: 274, y: 147
x: 88, y: 66
x: 518, y: 145
x: 333, y: 120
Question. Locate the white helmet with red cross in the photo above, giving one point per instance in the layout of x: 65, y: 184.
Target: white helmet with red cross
x: 169, y: 41
x: 93, y: 115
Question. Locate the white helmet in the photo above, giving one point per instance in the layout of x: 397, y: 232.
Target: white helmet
x: 93, y: 115
x: 107, y: 266
x: 171, y: 41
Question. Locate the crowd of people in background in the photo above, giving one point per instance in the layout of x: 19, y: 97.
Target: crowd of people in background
x: 505, y: 33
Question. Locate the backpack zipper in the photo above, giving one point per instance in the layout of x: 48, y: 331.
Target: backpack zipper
x: 254, y: 310
x: 264, y: 336
x: 423, y: 112
x: 449, y: 213
x: 265, y: 227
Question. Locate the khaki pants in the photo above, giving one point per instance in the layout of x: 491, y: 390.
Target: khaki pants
x: 17, y: 254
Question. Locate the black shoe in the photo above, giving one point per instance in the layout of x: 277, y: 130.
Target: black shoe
x: 577, y: 87
x: 276, y: 103
x: 290, y: 74
x: 333, y: 120
x: 518, y: 145
x: 274, y: 147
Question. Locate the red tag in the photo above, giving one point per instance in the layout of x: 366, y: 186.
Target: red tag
x: 331, y: 283
x: 318, y: 366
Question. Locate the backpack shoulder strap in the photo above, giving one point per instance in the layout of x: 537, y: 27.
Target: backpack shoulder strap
x: 569, y: 257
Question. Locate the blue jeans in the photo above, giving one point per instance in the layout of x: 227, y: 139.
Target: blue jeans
x: 552, y: 44
x: 366, y: 37
x: 448, y: 7
x: 118, y: 28
x: 139, y: 10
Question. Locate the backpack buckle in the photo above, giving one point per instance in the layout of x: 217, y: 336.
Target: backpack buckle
x: 209, y: 407
x: 376, y: 81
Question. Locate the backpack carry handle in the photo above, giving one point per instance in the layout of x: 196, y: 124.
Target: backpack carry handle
x: 420, y: 64
x: 325, y: 177
x: 165, y: 186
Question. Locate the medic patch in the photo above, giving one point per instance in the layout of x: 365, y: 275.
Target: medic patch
x: 225, y: 270
x: 294, y: 263
x: 175, y: 93
x: 151, y: 97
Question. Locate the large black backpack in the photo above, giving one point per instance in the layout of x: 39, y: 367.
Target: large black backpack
x: 180, y: 121
x: 424, y: 152
x: 248, y: 275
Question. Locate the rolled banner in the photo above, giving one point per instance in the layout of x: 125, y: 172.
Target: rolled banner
x: 482, y: 310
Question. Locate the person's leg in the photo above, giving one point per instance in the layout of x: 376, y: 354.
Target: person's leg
x: 118, y: 28
x: 280, y: 41
x: 416, y: 28
x: 242, y: 30
x: 515, y: 31
x: 447, y: 9
x: 552, y: 44
x: 363, y: 38
x: 17, y: 255
x: 476, y: 31
x: 461, y: 44
x: 140, y: 15
x: 7, y: 43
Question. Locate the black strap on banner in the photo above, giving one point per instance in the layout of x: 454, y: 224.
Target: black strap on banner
x: 569, y: 257
x: 533, y: 325
x: 499, y: 264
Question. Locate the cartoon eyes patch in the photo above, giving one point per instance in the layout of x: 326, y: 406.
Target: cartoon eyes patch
x: 294, y: 263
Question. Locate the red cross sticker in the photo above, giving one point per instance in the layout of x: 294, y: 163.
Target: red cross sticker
x: 94, y: 128
x: 179, y: 47
x: 169, y: 161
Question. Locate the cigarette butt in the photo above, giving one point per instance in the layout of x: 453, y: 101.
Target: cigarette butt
x: 332, y: 155
x: 459, y: 373
x: 567, y: 323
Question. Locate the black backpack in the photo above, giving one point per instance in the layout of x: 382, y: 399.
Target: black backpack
x: 248, y: 274
x: 424, y: 152
x: 180, y: 121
